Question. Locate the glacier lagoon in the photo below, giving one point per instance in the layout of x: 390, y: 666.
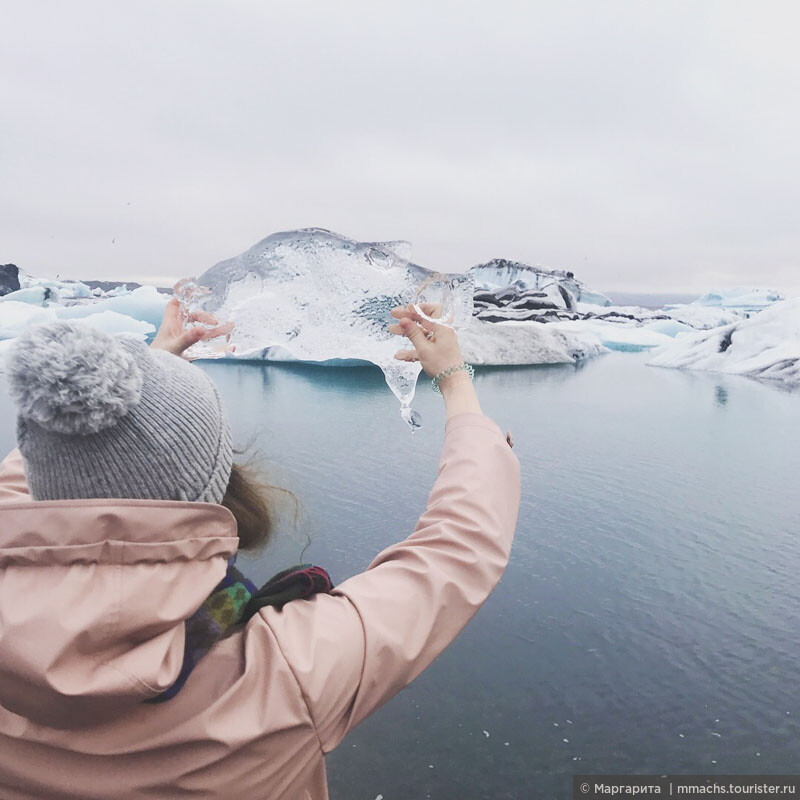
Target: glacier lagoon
x: 649, y: 612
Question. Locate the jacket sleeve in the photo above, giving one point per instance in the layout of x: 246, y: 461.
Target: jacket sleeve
x: 13, y: 485
x: 352, y: 650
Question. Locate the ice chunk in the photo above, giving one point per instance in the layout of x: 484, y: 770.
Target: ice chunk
x: 669, y: 327
x: 114, y: 323
x: 628, y: 337
x: 145, y: 304
x: 35, y: 295
x: 16, y: 316
x: 322, y: 296
x: 766, y: 345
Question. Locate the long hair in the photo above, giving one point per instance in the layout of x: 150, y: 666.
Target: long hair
x: 255, y: 505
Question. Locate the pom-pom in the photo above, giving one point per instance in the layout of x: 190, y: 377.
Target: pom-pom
x: 71, y: 378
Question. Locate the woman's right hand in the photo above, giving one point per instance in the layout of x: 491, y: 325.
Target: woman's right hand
x: 434, y: 346
x: 435, y: 354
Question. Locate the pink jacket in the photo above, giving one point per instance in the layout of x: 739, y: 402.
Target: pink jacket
x: 93, y: 594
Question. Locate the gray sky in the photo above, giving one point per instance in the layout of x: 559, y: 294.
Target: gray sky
x: 645, y: 145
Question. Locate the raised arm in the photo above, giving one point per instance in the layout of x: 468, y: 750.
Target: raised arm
x: 353, y: 650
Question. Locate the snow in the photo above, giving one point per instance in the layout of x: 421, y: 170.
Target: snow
x: 766, y: 345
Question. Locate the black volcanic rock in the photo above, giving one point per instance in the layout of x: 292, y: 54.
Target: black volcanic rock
x: 9, y: 278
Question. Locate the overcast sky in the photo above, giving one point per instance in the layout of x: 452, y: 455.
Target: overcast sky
x: 648, y: 146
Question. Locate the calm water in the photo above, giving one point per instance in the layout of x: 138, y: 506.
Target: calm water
x: 650, y: 614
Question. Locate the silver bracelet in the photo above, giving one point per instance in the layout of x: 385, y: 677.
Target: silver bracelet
x: 449, y: 371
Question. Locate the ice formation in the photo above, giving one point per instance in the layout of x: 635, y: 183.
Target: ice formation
x: 500, y: 273
x: 628, y: 337
x: 526, y: 343
x: 321, y: 296
x: 145, y: 303
x: 746, y: 298
x: 16, y: 316
x: 66, y: 290
x: 767, y: 345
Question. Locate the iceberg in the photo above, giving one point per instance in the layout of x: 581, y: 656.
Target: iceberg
x: 35, y: 295
x: 145, y: 304
x: 115, y: 324
x: 322, y: 296
x: 766, y: 345
x: 630, y: 338
x: 723, y: 306
x: 746, y: 298
x: 500, y: 273
x: 65, y: 290
x: 15, y: 317
x: 510, y: 342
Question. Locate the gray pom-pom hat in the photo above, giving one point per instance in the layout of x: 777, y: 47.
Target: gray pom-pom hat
x: 108, y: 417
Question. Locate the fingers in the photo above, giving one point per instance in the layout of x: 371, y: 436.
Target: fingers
x: 410, y: 313
x: 203, y: 316
x: 172, y: 311
x: 212, y: 333
x: 406, y: 355
x: 431, y: 309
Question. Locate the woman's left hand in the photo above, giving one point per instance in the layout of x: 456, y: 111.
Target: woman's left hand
x: 175, y: 339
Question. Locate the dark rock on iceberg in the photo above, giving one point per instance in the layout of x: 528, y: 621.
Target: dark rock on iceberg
x: 9, y: 278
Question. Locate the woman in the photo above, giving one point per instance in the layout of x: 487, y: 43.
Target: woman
x: 114, y: 538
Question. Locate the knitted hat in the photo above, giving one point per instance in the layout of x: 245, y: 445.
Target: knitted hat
x: 109, y: 417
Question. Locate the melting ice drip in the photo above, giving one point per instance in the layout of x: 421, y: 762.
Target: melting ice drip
x: 319, y: 296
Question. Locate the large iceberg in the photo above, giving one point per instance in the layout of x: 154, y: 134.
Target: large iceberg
x: 766, y: 345
x: 321, y: 296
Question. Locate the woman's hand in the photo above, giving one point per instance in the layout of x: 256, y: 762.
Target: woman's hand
x: 172, y: 337
x: 435, y: 346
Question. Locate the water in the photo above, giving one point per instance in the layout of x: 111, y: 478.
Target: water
x: 649, y: 614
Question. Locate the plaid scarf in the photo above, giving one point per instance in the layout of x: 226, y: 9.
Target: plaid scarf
x: 233, y: 602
